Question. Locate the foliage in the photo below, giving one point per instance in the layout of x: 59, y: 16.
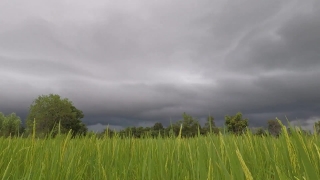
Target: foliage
x: 108, y: 132
x: 236, y: 124
x: 260, y: 132
x: 157, y: 130
x: 203, y: 157
x: 10, y: 125
x: 210, y: 126
x: 190, y: 126
x: 53, y: 115
x: 50, y: 111
x: 274, y: 127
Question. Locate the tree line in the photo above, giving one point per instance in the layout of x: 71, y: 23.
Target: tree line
x: 50, y: 115
x: 190, y: 127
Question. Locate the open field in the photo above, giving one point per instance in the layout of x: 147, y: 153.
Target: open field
x: 214, y: 157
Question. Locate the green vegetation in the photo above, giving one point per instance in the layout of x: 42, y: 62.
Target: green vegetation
x: 49, y: 111
x: 10, y: 125
x: 56, y: 145
x: 224, y: 156
x: 236, y: 124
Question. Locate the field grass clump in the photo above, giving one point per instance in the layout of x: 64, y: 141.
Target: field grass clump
x: 294, y: 156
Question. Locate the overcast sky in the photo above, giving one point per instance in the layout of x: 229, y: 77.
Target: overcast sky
x: 134, y: 63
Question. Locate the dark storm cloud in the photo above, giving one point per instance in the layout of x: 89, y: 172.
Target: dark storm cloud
x: 127, y: 64
x: 290, y: 45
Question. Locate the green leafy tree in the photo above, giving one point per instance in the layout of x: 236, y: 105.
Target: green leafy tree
x: 139, y: 132
x: 10, y: 125
x: 236, y: 124
x: 274, y: 127
x: 190, y: 126
x: 52, y: 114
x: 210, y: 126
x: 13, y: 124
x: 127, y: 132
x: 173, y: 129
x: 260, y: 132
x: 158, y: 126
x: 147, y: 131
x: 156, y: 129
x: 108, y: 132
x: 169, y: 131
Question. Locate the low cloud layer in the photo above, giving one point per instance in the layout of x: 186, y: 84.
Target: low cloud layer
x: 136, y: 63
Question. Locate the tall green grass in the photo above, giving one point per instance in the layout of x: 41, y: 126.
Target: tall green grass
x: 213, y: 157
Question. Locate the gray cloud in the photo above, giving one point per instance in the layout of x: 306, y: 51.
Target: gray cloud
x: 126, y: 63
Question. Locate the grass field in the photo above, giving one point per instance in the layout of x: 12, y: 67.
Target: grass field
x: 213, y: 157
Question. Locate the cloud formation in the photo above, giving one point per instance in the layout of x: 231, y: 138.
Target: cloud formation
x: 135, y: 63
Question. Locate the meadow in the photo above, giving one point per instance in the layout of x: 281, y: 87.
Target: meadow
x: 231, y: 157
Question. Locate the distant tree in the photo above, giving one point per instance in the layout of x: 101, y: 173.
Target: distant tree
x: 73, y: 122
x: 135, y: 132
x: 147, y: 131
x: 260, y: 132
x: 108, y: 132
x: 274, y: 127
x: 190, y: 126
x: 50, y: 111
x: 157, y: 126
x: 157, y: 129
x: 128, y: 132
x: 139, y: 132
x: 210, y: 126
x: 236, y: 124
x: 173, y: 129
x: 10, y: 125
x: 170, y: 130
